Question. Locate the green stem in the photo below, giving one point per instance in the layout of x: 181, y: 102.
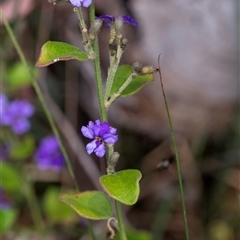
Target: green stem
x: 122, y: 231
x: 97, y: 68
x: 90, y: 229
x: 41, y: 98
x: 103, y: 114
x: 33, y: 205
x: 114, y: 96
x: 81, y: 18
x: 176, y: 155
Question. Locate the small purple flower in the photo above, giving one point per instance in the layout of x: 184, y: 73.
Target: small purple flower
x: 126, y: 19
x: 48, y: 155
x: 79, y: 3
x: 16, y: 114
x: 102, y: 134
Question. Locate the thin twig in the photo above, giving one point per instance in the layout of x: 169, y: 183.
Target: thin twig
x: 176, y: 154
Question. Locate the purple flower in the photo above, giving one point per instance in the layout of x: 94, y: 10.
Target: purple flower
x: 79, y: 3
x: 48, y: 155
x: 15, y: 114
x: 126, y: 19
x: 102, y: 134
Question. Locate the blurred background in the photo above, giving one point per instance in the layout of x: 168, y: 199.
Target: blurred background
x: 198, y: 43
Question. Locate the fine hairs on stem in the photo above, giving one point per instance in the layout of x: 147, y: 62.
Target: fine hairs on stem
x: 175, y: 153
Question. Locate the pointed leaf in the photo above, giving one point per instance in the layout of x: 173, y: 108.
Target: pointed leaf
x: 122, y: 186
x: 90, y: 204
x: 122, y: 74
x: 52, y: 52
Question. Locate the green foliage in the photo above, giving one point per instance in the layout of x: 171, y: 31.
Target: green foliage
x: 90, y: 204
x: 7, y: 217
x: 23, y: 149
x: 122, y: 186
x: 55, y: 210
x: 122, y: 74
x: 52, y: 52
x: 18, y: 76
x: 10, y: 178
x: 138, y: 235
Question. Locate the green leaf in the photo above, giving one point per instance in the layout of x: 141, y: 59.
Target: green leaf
x: 18, y: 76
x: 10, y: 179
x: 23, y: 149
x: 8, y: 217
x: 55, y: 210
x: 122, y: 74
x: 52, y: 52
x: 90, y: 204
x: 122, y: 186
x: 133, y: 234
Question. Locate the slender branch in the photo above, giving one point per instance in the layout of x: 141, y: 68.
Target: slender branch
x: 176, y: 154
x: 41, y: 98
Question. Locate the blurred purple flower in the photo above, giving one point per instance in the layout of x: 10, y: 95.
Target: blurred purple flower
x: 15, y: 114
x: 3, y: 106
x: 126, y: 19
x: 102, y: 133
x: 48, y: 154
x: 79, y: 3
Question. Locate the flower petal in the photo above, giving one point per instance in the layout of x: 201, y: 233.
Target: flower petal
x: 87, y: 3
x: 130, y: 20
x: 76, y: 3
x: 100, y: 150
x: 87, y: 132
x: 109, y: 138
x: 91, y: 146
x: 103, y: 129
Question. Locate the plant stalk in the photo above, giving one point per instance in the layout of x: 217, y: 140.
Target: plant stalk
x: 122, y: 230
x: 41, y: 98
x: 176, y: 154
x: 97, y: 69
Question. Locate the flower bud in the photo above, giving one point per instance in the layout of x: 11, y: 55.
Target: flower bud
x: 95, y: 28
x: 118, y: 23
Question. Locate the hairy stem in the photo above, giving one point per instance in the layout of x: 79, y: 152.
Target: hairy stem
x: 97, y: 69
x: 122, y: 231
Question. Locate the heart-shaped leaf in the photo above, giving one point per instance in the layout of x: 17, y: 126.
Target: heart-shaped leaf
x: 90, y: 204
x: 122, y: 186
x: 52, y: 52
x: 122, y: 74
